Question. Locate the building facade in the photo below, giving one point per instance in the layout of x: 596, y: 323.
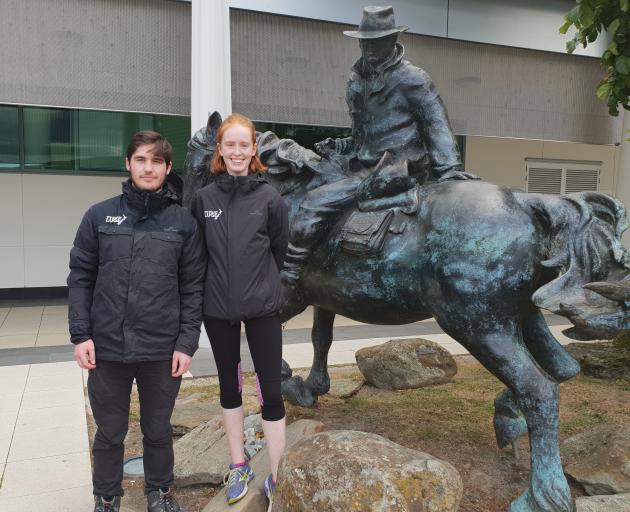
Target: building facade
x: 81, y: 76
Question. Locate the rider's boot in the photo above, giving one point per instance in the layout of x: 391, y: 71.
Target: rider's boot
x: 293, y: 301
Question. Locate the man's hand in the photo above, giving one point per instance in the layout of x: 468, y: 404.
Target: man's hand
x: 326, y: 147
x: 181, y: 363
x: 457, y: 175
x: 85, y: 355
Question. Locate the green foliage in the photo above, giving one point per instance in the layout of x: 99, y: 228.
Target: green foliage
x: 592, y: 18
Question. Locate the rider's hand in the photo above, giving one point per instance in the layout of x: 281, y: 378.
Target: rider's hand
x: 181, y: 363
x: 457, y: 175
x: 85, y: 355
x: 326, y: 147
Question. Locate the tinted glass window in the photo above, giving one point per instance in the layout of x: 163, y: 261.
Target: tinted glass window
x: 9, y: 138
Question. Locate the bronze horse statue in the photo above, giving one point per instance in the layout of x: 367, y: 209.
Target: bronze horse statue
x: 480, y: 259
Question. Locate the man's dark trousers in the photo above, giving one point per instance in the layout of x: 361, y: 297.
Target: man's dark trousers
x: 109, y: 389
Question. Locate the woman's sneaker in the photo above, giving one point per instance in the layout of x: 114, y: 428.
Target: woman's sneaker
x: 236, y: 481
x: 269, y: 487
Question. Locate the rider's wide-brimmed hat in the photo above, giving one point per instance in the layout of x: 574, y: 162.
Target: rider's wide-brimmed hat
x: 377, y: 22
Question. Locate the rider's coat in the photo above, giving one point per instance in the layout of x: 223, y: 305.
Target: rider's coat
x: 396, y: 108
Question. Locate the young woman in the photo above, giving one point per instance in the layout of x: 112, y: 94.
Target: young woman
x: 245, y: 223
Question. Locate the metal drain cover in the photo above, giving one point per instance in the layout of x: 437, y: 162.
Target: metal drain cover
x: 133, y: 468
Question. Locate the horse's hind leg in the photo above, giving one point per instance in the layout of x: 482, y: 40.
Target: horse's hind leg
x: 505, y: 355
x: 545, y: 348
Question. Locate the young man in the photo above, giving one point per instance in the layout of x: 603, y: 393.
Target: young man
x: 135, y: 307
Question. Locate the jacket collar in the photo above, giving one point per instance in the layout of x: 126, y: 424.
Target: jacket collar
x: 365, y: 71
x: 376, y: 75
x: 247, y: 183
x: 146, y: 202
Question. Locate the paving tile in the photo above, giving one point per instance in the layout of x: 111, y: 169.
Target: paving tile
x: 53, y: 398
x: 5, y: 444
x: 56, y: 311
x: 3, y: 314
x: 50, y: 417
x: 54, y: 326
x: 70, y: 471
x: 47, y: 369
x: 10, y: 403
x: 58, y: 381
x: 48, y: 442
x: 17, y: 340
x: 13, y: 378
x: 26, y: 311
x: 67, y: 500
x: 49, y: 339
x: 7, y: 424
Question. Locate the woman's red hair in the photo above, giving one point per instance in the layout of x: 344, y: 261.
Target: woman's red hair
x: 217, y: 165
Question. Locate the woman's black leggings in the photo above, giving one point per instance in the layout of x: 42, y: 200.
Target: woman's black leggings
x: 264, y: 336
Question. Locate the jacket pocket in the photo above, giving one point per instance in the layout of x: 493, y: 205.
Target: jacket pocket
x: 165, y: 249
x: 114, y: 243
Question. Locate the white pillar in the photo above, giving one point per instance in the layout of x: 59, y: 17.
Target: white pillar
x: 623, y: 170
x: 211, y: 83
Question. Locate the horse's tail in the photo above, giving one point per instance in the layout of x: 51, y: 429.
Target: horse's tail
x: 583, y: 244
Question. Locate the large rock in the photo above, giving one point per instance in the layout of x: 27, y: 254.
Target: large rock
x: 600, y: 459
x: 406, y: 364
x: 357, y: 471
x: 614, y: 503
x: 254, y: 500
x: 192, y: 411
x: 603, y: 360
x: 202, y: 456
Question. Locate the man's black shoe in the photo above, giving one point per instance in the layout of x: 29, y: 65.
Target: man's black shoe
x: 162, y: 501
x: 103, y: 505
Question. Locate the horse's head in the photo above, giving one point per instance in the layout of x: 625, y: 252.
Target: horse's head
x: 197, y: 164
x: 593, y: 284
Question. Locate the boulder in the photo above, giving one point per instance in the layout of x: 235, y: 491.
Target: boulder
x: 616, y: 503
x: 406, y: 364
x: 358, y: 471
x: 192, y: 411
x: 254, y: 500
x: 603, y: 360
x: 202, y: 456
x: 599, y: 459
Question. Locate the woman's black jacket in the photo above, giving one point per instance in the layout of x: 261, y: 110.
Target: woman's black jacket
x: 245, y: 224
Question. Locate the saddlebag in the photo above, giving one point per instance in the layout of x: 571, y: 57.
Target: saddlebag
x: 363, y: 234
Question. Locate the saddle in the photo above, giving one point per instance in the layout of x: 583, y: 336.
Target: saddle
x: 385, y: 199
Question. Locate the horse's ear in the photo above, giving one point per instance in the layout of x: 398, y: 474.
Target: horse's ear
x: 214, y: 121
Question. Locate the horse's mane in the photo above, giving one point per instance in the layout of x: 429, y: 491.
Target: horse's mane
x: 584, y: 232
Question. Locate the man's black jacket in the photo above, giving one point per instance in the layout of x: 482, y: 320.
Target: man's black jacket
x: 136, y: 278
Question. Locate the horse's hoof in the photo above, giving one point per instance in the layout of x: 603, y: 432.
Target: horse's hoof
x: 508, y: 429
x: 320, y: 386
x: 549, y: 498
x: 296, y: 392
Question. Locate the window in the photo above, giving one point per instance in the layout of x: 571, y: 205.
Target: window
x: 9, y: 138
x: 57, y: 139
x: 562, y: 176
x: 307, y: 136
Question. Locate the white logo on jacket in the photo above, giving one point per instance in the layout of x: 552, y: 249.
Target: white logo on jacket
x: 212, y: 214
x: 115, y: 220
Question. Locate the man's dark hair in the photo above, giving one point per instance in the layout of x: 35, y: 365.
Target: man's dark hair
x: 163, y: 147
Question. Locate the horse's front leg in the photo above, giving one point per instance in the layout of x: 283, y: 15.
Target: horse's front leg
x: 537, y: 396
x: 305, y: 392
x: 321, y: 336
